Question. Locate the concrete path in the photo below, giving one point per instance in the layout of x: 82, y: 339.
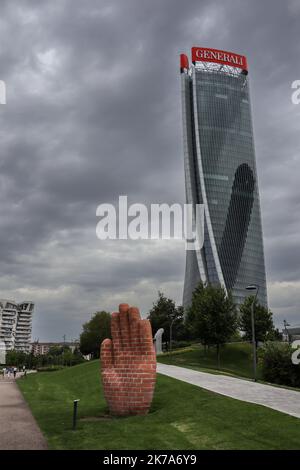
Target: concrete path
x: 280, y: 399
x: 18, y: 429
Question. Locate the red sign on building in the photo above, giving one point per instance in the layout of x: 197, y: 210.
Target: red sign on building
x: 203, y: 54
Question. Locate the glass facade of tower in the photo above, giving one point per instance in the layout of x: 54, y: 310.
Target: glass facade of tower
x: 220, y: 172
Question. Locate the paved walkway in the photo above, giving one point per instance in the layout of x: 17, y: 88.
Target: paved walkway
x: 18, y: 429
x: 280, y: 399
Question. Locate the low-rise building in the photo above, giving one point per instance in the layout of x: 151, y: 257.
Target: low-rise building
x: 41, y: 349
x: 293, y: 333
x: 16, y: 324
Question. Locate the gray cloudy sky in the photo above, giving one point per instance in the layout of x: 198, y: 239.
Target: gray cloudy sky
x: 93, y: 111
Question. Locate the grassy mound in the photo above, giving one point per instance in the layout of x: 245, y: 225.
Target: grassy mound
x: 236, y: 359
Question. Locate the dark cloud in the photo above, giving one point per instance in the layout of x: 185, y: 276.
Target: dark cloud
x: 93, y: 111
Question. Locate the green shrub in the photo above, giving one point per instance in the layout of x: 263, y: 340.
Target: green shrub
x: 180, y: 344
x: 50, y: 368
x: 277, y: 366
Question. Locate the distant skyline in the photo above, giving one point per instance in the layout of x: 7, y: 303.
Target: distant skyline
x: 93, y: 112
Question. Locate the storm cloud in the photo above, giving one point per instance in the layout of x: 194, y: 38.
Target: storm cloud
x: 93, y: 112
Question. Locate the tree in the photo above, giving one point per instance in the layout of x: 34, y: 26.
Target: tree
x: 67, y: 357
x: 263, y: 321
x: 277, y: 366
x: 163, y: 313
x: 15, y: 358
x: 94, y: 332
x: 212, y: 316
x: 55, y: 351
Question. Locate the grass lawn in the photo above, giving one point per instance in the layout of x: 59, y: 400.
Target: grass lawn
x: 236, y: 359
x: 182, y: 416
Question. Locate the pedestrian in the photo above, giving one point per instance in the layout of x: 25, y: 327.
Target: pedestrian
x: 15, y: 372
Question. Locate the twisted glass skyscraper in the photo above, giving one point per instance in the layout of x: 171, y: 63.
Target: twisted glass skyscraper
x: 220, y: 172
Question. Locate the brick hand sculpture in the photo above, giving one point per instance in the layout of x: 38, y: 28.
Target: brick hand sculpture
x: 128, y: 363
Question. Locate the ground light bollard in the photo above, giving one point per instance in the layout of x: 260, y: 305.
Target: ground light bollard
x: 75, y: 406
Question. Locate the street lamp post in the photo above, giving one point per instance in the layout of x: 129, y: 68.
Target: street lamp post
x: 253, y: 287
x: 171, y: 325
x: 285, y: 323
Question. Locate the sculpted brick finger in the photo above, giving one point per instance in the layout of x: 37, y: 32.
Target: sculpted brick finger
x: 128, y: 363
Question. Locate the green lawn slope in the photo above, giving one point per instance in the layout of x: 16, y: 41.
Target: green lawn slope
x: 182, y: 416
x: 236, y: 359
